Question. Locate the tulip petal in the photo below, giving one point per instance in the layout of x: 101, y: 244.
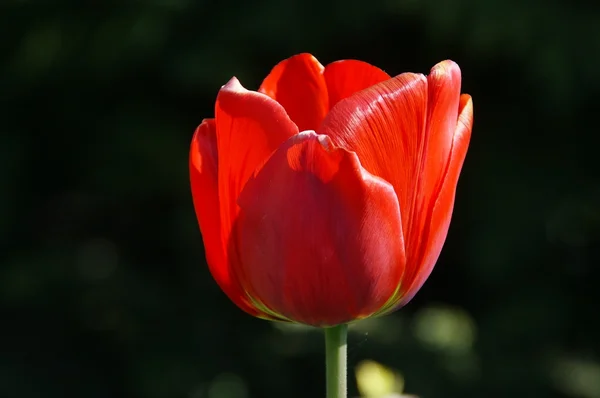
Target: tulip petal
x: 250, y: 126
x: 203, y: 179
x: 385, y: 126
x: 443, y: 205
x: 442, y: 113
x: 320, y: 237
x: 297, y: 83
x: 347, y: 77
x: 443, y: 100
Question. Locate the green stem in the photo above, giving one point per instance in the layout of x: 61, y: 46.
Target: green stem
x: 335, y: 360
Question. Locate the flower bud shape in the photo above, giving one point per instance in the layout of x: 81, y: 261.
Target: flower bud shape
x: 325, y: 197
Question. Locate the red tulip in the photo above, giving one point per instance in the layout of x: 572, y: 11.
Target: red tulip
x: 326, y: 196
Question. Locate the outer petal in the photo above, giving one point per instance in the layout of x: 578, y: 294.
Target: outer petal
x: 203, y: 179
x: 442, y: 113
x: 443, y: 206
x: 297, y: 83
x: 385, y: 126
x: 250, y: 126
x: 443, y: 100
x: 347, y: 77
x: 320, y: 237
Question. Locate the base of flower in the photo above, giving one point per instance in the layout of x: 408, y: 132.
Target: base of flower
x: 335, y: 361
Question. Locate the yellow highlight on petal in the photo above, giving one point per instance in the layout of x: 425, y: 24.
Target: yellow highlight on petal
x: 375, y: 380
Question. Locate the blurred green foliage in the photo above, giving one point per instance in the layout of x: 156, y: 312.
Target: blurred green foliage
x: 103, y: 284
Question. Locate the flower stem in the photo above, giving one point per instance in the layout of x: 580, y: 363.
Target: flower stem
x: 335, y: 360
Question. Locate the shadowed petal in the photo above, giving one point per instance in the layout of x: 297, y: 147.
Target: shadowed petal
x: 347, y: 77
x: 250, y: 126
x: 297, y: 83
x: 203, y: 179
x: 320, y: 237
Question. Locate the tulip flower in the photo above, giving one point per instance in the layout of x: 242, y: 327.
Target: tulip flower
x: 325, y: 197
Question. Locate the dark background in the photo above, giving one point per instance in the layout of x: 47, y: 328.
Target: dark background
x: 103, y: 284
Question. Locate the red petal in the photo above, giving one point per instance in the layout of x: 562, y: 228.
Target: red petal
x: 203, y: 179
x: 319, y: 236
x: 297, y: 83
x: 250, y: 126
x: 385, y: 126
x: 443, y: 99
x: 442, y: 105
x: 347, y: 77
x: 443, y: 206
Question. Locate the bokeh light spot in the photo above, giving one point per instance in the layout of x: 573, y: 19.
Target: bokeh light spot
x: 227, y: 385
x: 444, y: 328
